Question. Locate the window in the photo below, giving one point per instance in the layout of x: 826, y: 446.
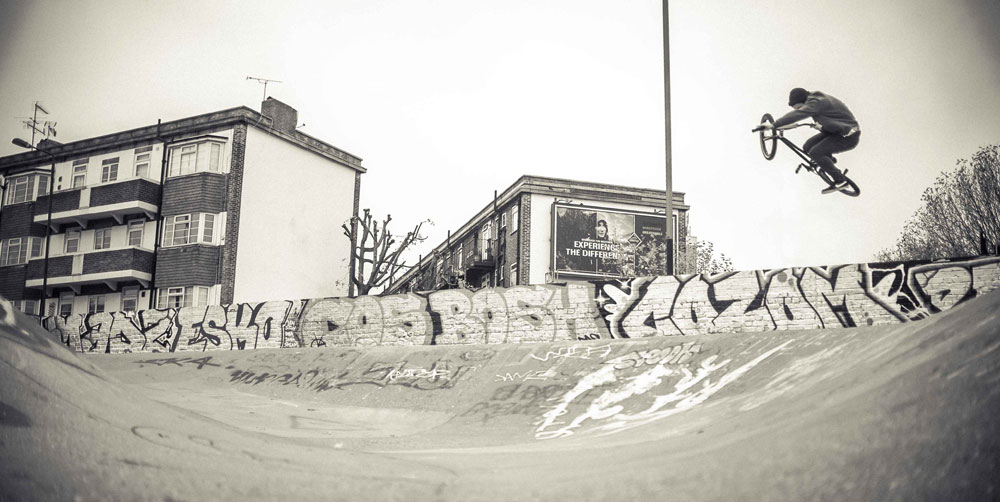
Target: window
x: 177, y: 230
x: 21, y: 188
x: 109, y: 170
x: 142, y: 157
x: 514, y: 217
x: 79, y: 172
x: 14, y: 251
x: 27, y: 187
x: 26, y: 306
x: 458, y: 258
x: 513, y: 274
x: 130, y: 299
x: 96, y: 304
x: 190, y: 296
x: 205, y: 156
x: 485, y: 237
x: 72, y: 240
x: 66, y: 305
x: 208, y: 228
x: 135, y: 228
x: 36, y: 247
x: 183, y: 229
x: 503, y: 220
x: 102, y: 238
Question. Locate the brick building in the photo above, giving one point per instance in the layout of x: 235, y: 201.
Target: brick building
x: 542, y: 230
x: 230, y: 206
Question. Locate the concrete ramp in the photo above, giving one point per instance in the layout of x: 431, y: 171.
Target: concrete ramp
x: 897, y: 412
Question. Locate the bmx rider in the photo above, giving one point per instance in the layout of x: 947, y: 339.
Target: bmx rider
x: 839, y: 130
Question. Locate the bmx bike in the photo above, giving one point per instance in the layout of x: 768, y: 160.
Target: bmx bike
x: 769, y: 144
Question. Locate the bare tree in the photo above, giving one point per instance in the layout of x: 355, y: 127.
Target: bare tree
x: 377, y: 253
x: 960, y: 215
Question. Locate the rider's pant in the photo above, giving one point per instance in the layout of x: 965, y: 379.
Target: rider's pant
x: 822, y: 146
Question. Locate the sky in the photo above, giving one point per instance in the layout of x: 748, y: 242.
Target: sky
x: 449, y: 100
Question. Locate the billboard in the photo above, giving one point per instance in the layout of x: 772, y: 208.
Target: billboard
x: 601, y: 242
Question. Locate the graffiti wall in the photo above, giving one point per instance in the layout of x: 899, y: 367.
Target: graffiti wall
x: 761, y: 300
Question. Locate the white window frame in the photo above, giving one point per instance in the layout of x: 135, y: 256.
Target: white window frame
x: 102, y: 238
x: 26, y: 306
x: 143, y: 160
x: 72, y: 235
x: 80, y: 172
x: 134, y: 227
x: 109, y: 170
x: 66, y: 300
x: 513, y: 274
x: 37, y: 247
x: 31, y: 186
x: 515, y: 217
x: 130, y: 295
x: 202, y: 229
x: 207, y: 228
x: 196, y: 157
x: 14, y: 251
x: 182, y: 296
x: 96, y: 304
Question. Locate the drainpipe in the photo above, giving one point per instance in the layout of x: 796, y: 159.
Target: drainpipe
x: 159, y: 213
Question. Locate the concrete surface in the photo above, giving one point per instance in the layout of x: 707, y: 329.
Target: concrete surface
x: 898, y: 412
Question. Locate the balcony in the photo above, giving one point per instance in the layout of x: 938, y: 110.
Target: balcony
x: 481, y: 261
x: 99, y: 267
x: 115, y: 200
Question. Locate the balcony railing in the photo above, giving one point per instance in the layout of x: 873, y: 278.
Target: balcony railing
x: 108, y: 267
x: 115, y: 200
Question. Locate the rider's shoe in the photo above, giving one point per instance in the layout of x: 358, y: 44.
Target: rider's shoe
x: 836, y: 187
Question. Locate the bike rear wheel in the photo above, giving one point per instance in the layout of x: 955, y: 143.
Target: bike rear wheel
x: 768, y: 138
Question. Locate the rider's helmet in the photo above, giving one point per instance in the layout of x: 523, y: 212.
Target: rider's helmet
x: 798, y: 95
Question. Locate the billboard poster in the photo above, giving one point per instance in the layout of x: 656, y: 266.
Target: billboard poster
x: 591, y: 241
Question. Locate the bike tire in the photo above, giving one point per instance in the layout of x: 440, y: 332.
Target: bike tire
x: 768, y: 138
x: 852, y: 187
x: 853, y: 191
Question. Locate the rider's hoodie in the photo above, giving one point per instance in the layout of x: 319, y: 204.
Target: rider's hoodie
x: 831, y: 113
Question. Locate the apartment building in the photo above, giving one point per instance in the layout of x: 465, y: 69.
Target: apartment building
x: 542, y: 230
x: 230, y: 206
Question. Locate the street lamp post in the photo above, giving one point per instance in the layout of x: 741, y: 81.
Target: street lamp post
x: 669, y: 227
x: 48, y: 223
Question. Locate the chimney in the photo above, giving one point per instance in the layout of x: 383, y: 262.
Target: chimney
x: 284, y: 117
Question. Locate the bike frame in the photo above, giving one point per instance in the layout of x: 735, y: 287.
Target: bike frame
x: 779, y: 134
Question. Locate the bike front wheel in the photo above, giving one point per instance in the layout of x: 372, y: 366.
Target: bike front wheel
x: 768, y: 138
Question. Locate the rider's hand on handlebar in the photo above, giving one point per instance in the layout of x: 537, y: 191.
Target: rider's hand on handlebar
x: 762, y: 126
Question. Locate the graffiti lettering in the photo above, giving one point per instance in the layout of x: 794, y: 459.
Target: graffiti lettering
x: 761, y: 300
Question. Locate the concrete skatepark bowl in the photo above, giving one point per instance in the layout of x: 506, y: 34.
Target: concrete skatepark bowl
x: 897, y: 412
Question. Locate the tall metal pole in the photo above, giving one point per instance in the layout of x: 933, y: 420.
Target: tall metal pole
x: 48, y: 239
x: 666, y: 115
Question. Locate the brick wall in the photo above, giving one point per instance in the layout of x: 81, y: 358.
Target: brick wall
x: 760, y: 300
x: 195, y: 265
x: 234, y: 192
x: 194, y: 193
x: 126, y: 191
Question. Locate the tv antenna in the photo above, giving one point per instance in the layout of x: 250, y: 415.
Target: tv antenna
x: 45, y: 128
x: 264, y: 81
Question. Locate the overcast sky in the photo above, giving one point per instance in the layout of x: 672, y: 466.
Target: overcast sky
x: 449, y: 100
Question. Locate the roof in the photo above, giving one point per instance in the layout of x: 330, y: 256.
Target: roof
x: 165, y: 131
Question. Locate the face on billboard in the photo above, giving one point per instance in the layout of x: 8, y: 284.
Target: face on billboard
x: 603, y: 242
